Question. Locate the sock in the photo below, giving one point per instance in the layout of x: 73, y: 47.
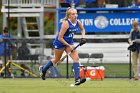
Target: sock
x: 76, y: 70
x: 47, y: 66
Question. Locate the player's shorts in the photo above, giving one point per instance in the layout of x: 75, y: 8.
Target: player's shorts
x: 59, y: 45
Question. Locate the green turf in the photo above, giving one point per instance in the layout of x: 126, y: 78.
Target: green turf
x: 63, y: 86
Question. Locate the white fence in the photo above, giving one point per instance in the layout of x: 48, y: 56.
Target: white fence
x: 29, y: 2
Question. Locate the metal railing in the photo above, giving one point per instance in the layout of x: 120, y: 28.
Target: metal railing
x: 29, y: 2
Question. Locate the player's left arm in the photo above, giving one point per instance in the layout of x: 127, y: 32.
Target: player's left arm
x: 82, y: 29
x: 83, y: 39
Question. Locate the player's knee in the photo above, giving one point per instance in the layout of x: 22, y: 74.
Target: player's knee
x: 56, y: 60
x: 76, y: 59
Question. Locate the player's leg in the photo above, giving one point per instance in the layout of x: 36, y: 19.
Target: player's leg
x: 75, y: 57
x: 57, y: 53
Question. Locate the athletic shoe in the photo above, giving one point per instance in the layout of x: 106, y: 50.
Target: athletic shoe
x: 77, y: 82
x: 42, y: 75
x: 80, y: 81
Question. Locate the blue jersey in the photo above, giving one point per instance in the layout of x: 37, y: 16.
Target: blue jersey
x: 7, y: 45
x: 68, y: 36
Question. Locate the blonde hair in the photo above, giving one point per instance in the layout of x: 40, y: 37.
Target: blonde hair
x: 135, y: 23
x: 67, y: 14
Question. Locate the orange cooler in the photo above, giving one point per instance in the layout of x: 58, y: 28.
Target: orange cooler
x: 95, y: 73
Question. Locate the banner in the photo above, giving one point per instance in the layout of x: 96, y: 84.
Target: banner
x: 106, y: 22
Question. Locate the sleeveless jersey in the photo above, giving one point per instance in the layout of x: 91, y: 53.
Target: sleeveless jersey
x: 68, y: 36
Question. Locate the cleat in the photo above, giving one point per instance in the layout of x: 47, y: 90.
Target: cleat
x: 80, y: 81
x: 42, y: 74
x: 77, y: 82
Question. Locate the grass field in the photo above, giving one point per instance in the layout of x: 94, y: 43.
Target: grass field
x: 62, y: 85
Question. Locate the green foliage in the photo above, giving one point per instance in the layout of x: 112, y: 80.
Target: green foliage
x: 49, y: 23
x: 13, y: 26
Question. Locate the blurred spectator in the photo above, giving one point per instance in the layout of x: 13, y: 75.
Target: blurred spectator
x: 96, y: 4
x: 76, y: 2
x: 64, y: 4
x: 90, y: 3
x: 134, y: 41
x: 23, y: 53
x: 121, y: 3
x: 100, y: 3
x: 6, y: 48
x: 135, y: 4
x: 61, y: 1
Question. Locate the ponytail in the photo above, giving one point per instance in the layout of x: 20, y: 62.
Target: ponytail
x: 67, y: 15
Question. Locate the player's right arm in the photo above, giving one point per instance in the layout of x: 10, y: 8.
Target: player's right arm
x: 63, y: 30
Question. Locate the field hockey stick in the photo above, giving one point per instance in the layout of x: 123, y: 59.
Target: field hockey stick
x: 67, y: 55
x: 85, y: 68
